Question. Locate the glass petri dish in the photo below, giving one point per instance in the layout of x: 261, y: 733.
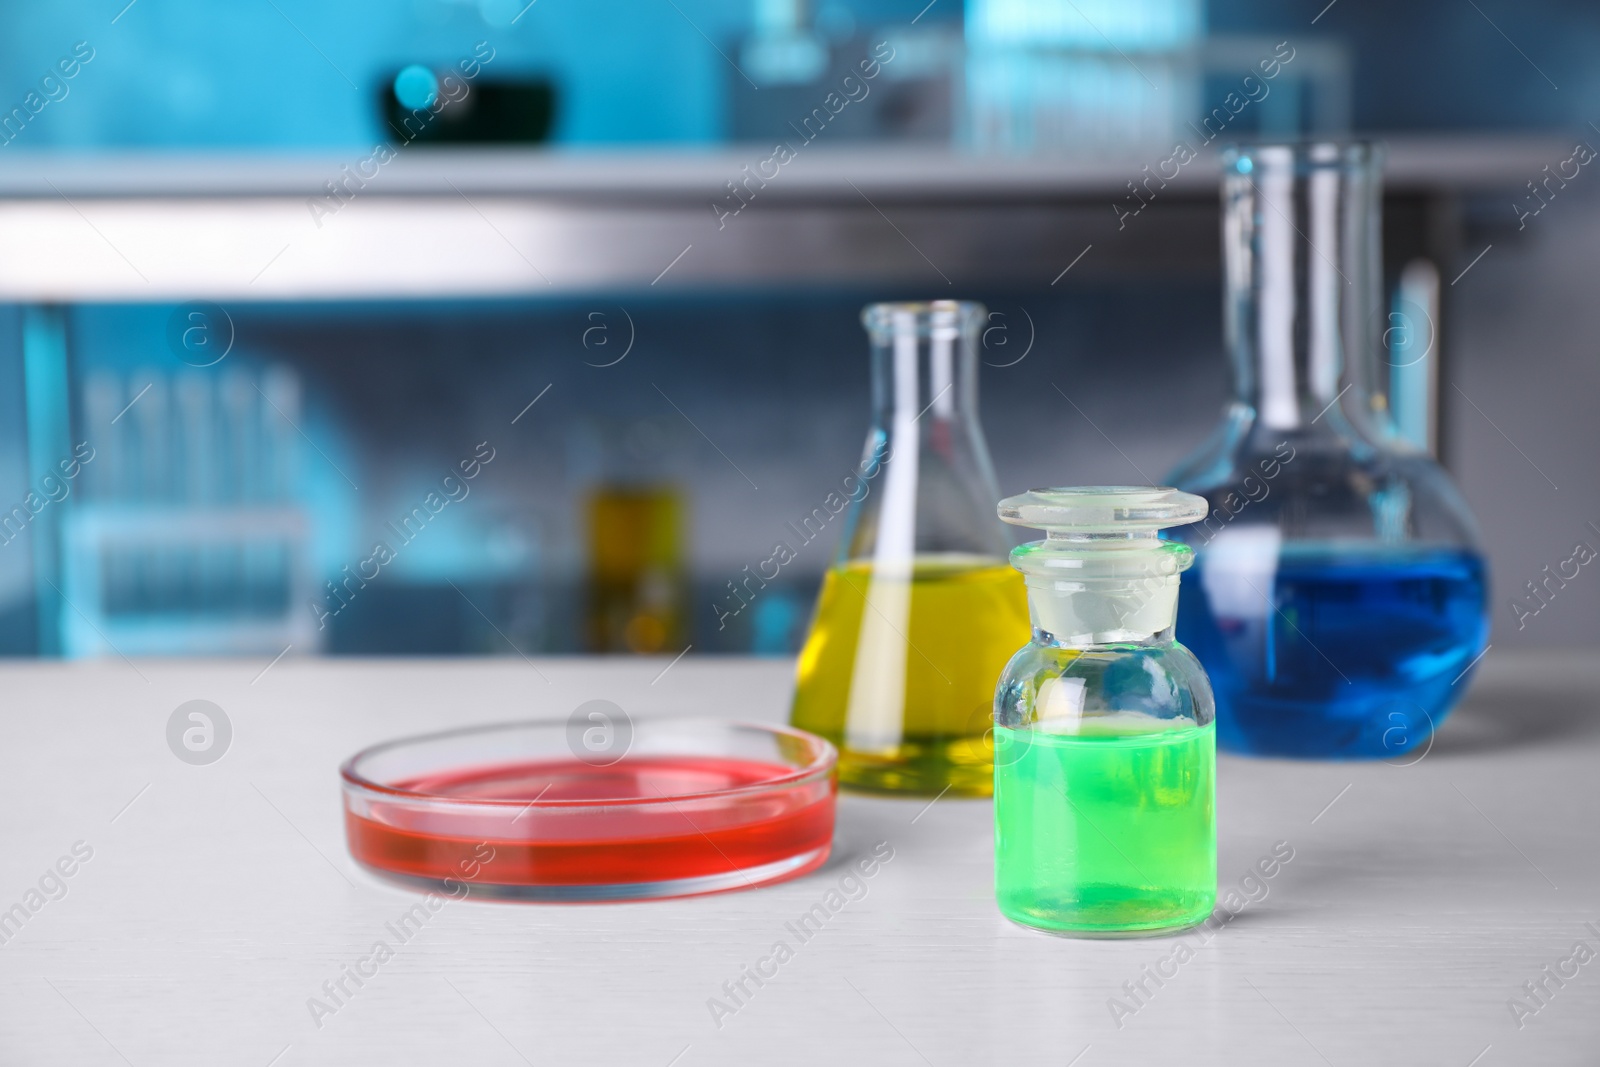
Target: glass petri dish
x: 512, y: 811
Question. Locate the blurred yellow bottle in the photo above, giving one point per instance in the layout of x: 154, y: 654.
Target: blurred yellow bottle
x: 900, y: 666
x: 636, y: 586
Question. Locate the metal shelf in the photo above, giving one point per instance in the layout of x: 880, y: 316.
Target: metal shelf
x: 439, y: 223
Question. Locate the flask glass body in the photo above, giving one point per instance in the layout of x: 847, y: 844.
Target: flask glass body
x: 1338, y: 596
x: 918, y: 611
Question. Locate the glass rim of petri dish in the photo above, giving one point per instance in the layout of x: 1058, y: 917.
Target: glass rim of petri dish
x: 674, y: 806
x: 819, y: 767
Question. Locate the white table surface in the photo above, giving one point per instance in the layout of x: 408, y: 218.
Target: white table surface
x: 222, y: 897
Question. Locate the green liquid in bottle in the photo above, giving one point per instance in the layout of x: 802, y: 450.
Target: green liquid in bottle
x: 1109, y: 832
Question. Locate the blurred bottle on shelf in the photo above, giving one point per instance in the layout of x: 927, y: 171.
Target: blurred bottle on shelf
x: 1127, y: 78
x: 636, y: 589
x: 824, y: 78
x: 444, y: 107
x: 782, y: 49
x: 1091, y: 76
x: 188, y: 538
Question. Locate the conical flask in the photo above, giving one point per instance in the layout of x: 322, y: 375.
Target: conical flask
x: 919, y: 611
x: 1338, y: 597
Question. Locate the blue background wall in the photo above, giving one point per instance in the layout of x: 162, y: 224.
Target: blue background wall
x: 191, y: 73
x: 181, y: 73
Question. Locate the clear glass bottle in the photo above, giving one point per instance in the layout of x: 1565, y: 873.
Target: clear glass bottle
x: 919, y: 611
x: 1105, y: 752
x: 1338, y: 599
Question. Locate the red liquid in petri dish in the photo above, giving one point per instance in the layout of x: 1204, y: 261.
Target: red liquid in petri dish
x: 699, y: 831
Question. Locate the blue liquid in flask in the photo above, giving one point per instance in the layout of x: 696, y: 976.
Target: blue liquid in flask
x: 1334, y: 652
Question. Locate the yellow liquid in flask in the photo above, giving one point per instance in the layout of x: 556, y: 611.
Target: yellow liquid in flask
x: 899, y: 670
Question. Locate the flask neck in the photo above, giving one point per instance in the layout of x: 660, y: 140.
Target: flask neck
x: 1302, y: 275
x: 924, y: 366
x: 932, y: 482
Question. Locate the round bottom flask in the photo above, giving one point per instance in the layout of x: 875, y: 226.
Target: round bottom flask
x: 1338, y: 595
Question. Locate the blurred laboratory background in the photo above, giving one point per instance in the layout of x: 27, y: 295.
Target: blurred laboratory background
x: 509, y: 327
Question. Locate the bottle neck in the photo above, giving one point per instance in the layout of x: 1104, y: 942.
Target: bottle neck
x: 1091, y: 592
x: 1090, y: 615
x: 1300, y: 255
